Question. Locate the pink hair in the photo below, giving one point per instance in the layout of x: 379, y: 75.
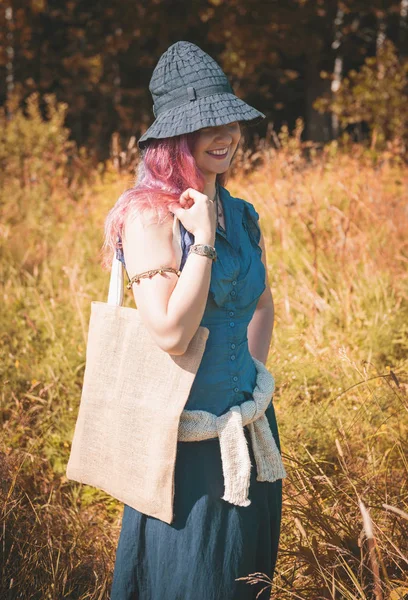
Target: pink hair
x: 166, y: 169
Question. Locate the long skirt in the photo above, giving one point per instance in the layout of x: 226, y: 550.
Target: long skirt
x: 210, y: 543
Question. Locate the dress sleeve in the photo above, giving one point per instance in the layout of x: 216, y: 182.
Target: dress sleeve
x: 251, y: 224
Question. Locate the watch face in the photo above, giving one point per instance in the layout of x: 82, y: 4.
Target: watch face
x: 209, y: 249
x: 204, y: 250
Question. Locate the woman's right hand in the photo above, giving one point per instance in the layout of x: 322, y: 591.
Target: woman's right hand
x: 197, y: 213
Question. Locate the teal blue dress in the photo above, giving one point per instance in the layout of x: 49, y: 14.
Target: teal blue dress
x: 211, y: 543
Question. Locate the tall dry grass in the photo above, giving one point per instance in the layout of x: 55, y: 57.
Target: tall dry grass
x: 335, y: 225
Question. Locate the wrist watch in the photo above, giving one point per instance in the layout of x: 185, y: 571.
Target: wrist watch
x: 204, y: 250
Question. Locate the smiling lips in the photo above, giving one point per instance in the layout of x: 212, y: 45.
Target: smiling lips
x: 221, y: 153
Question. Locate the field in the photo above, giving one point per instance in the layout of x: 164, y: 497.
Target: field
x: 335, y: 222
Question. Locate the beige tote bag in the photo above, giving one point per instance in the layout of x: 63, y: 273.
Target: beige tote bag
x: 125, y: 438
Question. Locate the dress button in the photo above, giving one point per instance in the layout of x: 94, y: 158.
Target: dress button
x: 234, y: 282
x: 235, y: 378
x: 232, y: 357
x: 233, y: 346
x: 236, y: 390
x: 231, y: 313
x: 233, y: 293
x: 232, y: 324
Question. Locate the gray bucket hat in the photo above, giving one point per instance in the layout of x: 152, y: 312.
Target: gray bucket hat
x: 191, y: 91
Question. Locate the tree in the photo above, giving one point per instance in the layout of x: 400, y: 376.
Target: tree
x: 376, y: 95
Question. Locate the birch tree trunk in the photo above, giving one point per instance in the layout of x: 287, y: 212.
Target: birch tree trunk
x: 403, y: 29
x: 9, y: 50
x: 338, y: 65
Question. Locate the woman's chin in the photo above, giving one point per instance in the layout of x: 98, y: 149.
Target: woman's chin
x: 216, y: 169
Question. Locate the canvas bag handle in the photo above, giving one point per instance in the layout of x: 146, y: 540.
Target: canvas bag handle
x: 115, y: 294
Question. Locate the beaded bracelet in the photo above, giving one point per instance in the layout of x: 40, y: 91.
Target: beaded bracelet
x: 150, y: 274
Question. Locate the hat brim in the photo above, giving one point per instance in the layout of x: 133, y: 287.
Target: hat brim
x: 208, y: 111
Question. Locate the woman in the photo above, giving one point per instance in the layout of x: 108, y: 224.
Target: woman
x: 186, y: 155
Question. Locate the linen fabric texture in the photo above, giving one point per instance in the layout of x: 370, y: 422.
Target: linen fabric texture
x: 133, y: 392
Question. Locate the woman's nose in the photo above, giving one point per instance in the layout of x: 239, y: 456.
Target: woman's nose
x: 224, y: 138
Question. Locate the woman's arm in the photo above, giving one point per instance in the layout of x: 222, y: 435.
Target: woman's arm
x: 171, y: 307
x: 261, y: 325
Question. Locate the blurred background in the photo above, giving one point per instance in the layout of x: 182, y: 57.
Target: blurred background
x: 281, y: 57
x: 327, y: 172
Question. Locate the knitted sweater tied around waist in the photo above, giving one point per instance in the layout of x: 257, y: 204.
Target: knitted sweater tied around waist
x: 197, y: 425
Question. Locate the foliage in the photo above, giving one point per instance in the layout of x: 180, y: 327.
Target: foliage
x: 377, y: 95
x: 42, y: 175
x: 98, y: 57
x: 335, y: 232
x: 30, y: 144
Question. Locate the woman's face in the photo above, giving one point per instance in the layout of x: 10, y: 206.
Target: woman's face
x: 223, y: 138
